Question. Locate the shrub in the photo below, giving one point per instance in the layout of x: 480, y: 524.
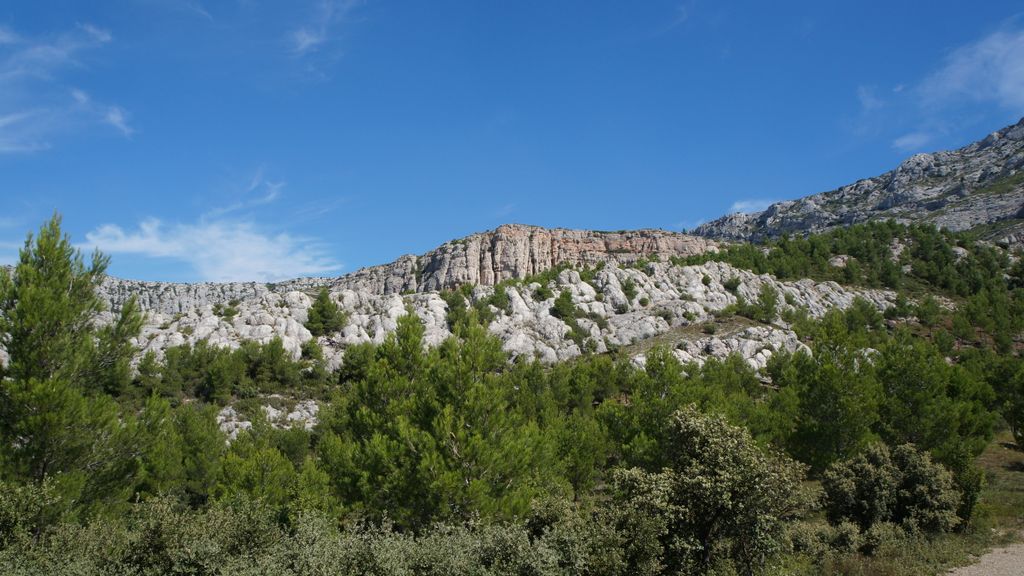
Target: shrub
x: 731, y: 284
x: 844, y: 537
x: 705, y: 280
x: 928, y: 311
x: 721, y: 497
x: 882, y: 537
x: 227, y: 312
x: 629, y: 289
x: 767, y: 305
x: 902, y: 486
x: 542, y: 293
x: 564, y: 309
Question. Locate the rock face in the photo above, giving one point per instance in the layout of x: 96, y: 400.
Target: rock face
x: 619, y: 307
x: 979, y: 184
x: 509, y: 252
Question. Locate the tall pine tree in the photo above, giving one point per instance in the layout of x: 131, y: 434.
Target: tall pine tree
x: 56, y: 422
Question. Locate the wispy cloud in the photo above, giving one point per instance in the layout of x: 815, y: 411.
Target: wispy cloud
x: 682, y: 13
x: 970, y: 81
x: 221, y: 250
x: 96, y: 33
x: 118, y: 118
x: 36, y: 106
x: 869, y: 100
x: 22, y: 132
x: 912, y: 142
x: 750, y: 205
x: 316, y: 32
x: 259, y: 192
x: 990, y: 69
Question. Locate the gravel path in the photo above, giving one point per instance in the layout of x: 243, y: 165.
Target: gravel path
x: 1008, y: 561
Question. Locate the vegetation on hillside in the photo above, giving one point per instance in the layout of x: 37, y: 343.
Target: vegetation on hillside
x: 454, y: 460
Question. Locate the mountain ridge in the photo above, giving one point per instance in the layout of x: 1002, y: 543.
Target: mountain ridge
x: 975, y: 186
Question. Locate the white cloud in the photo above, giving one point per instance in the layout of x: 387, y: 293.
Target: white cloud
x: 682, y: 13
x: 221, y: 250
x: 117, y: 118
x: 317, y: 31
x: 991, y: 69
x: 259, y: 192
x: 98, y: 34
x: 35, y: 108
x: 750, y: 205
x: 869, y: 101
x: 22, y: 132
x: 305, y: 39
x: 912, y: 142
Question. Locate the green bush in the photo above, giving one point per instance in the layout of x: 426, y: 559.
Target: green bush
x: 629, y: 289
x: 882, y: 538
x: 721, y: 497
x: 902, y: 486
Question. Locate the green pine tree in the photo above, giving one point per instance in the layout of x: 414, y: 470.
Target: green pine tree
x: 324, y: 316
x: 55, y: 421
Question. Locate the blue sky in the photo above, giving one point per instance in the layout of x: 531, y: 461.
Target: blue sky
x: 248, y: 139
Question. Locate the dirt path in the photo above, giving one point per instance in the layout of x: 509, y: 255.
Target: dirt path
x: 1007, y: 561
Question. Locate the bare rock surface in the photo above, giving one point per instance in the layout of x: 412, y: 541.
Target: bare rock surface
x: 511, y: 251
x: 661, y: 297
x: 981, y: 184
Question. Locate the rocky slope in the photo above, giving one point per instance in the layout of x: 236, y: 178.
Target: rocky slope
x: 977, y: 186
x: 625, y: 304
x: 619, y: 307
x: 509, y: 252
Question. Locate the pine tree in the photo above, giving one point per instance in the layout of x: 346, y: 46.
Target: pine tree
x: 55, y: 421
x: 324, y: 317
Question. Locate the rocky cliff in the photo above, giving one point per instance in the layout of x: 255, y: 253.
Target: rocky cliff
x: 977, y: 186
x: 512, y: 251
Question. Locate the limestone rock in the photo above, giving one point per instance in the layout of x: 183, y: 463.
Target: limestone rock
x: 979, y: 184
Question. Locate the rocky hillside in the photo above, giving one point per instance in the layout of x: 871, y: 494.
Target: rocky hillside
x: 980, y: 186
x: 512, y: 251
x: 618, y: 307
x: 629, y: 293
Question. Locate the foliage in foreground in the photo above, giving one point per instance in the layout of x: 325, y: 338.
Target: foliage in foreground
x: 506, y: 467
